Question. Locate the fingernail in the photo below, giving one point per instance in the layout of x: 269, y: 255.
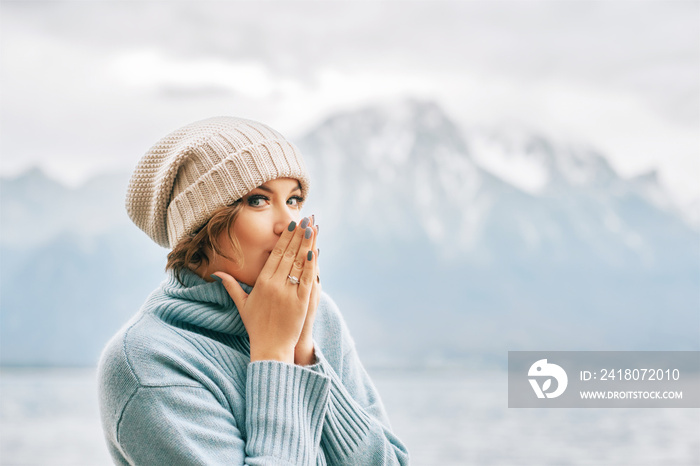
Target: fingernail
x: 317, y: 227
x: 292, y: 226
x: 308, y: 232
x: 309, y: 255
x: 313, y: 219
x: 304, y: 222
x: 217, y: 278
x: 318, y: 252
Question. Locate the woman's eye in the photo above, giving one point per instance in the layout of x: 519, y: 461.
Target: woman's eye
x: 256, y: 201
x: 295, y: 201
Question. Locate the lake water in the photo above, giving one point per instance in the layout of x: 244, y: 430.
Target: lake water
x: 50, y: 417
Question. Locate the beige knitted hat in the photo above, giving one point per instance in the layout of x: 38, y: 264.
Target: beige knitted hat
x: 180, y: 182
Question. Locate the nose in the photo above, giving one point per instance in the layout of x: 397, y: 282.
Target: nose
x: 283, y: 217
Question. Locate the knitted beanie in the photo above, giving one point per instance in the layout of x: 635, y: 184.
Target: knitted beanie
x: 180, y: 182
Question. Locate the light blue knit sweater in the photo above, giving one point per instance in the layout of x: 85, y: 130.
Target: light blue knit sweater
x: 176, y: 387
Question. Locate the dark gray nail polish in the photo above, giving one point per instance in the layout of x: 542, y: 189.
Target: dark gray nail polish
x: 317, y: 227
x: 217, y: 278
x: 292, y: 226
x: 308, y: 232
x: 309, y: 255
x: 318, y: 252
x: 313, y: 219
x: 304, y: 222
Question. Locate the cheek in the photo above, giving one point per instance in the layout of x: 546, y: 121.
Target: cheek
x: 250, y: 233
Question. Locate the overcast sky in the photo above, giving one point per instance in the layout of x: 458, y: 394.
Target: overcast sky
x: 89, y: 86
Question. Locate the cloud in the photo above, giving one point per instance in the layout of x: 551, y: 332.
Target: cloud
x: 89, y: 85
x: 150, y: 70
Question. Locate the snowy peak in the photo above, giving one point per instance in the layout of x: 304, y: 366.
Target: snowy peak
x: 400, y: 167
x: 648, y: 187
x: 35, y: 208
x: 394, y: 133
x: 537, y: 164
x: 33, y: 184
x: 515, y: 163
x: 410, y: 173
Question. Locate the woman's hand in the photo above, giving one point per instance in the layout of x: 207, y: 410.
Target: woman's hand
x: 304, y: 350
x: 275, y: 311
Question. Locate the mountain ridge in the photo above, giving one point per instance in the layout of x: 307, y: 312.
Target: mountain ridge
x: 422, y: 246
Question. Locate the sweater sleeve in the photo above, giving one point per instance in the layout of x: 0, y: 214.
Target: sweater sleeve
x: 285, y: 407
x: 356, y: 428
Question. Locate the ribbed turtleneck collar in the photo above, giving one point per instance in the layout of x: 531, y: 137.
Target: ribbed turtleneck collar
x: 198, y: 302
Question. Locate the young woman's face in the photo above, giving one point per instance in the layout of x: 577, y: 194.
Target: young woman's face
x: 266, y: 212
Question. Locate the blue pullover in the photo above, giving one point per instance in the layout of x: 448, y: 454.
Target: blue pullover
x: 176, y: 387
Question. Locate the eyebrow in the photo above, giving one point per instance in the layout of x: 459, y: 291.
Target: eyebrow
x: 265, y: 188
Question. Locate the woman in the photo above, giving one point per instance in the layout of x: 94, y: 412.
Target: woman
x: 238, y: 357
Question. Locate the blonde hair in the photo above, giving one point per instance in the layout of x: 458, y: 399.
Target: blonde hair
x: 191, y: 251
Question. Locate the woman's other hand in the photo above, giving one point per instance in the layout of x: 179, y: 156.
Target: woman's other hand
x: 304, y: 350
x: 274, y: 313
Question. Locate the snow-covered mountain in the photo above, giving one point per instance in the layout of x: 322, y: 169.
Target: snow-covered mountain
x: 73, y: 268
x: 438, y: 244
x: 406, y: 172
x: 35, y: 209
x: 399, y: 173
x: 537, y: 164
